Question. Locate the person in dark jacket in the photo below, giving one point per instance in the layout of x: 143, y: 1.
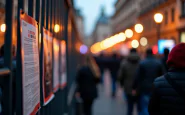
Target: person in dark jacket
x: 87, y: 78
x: 164, y: 58
x: 166, y: 99
x: 101, y: 64
x: 126, y: 76
x: 113, y: 65
x: 149, y: 69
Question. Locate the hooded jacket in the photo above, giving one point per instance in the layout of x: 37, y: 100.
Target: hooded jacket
x: 165, y: 100
x: 127, y: 72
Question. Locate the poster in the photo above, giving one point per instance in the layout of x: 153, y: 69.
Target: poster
x: 56, y: 84
x: 63, y: 71
x: 30, y: 65
x: 47, y: 67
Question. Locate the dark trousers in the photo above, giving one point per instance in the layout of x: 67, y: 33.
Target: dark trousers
x: 113, y: 78
x: 131, y: 100
x: 87, y: 103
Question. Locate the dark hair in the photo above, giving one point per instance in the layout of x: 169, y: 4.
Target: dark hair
x: 149, y: 52
x: 133, y: 50
x: 2, y: 50
x: 166, y: 51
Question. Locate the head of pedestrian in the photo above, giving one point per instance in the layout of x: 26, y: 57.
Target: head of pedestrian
x: 133, y: 57
x: 133, y: 50
x: 2, y: 51
x: 149, y: 52
x: 176, y: 58
x: 166, y: 51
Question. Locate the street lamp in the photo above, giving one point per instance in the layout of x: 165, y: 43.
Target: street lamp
x: 158, y: 18
x: 138, y: 28
x: 56, y: 28
x: 135, y: 44
x: 3, y: 27
x: 129, y: 33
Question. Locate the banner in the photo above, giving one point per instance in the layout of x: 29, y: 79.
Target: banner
x: 47, y: 67
x: 63, y: 70
x: 30, y: 65
x: 56, y: 84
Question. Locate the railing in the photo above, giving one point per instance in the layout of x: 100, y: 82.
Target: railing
x: 47, y: 13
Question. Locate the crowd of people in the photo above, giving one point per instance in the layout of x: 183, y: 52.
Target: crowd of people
x: 155, y: 85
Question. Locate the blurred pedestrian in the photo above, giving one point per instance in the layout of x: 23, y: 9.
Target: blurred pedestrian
x: 113, y: 65
x: 87, y: 78
x: 2, y: 52
x: 149, y: 69
x: 126, y: 76
x: 168, y: 97
x: 101, y: 64
x: 164, y: 58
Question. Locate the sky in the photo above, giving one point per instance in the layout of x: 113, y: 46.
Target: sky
x: 91, y: 10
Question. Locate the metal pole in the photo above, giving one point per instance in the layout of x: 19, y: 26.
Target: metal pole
x: 7, y: 98
x: 37, y: 11
x: 158, y: 32
x: 51, y: 15
x: 47, y: 14
x: 43, y: 110
x: 30, y: 8
x: 19, y: 106
x: 54, y: 16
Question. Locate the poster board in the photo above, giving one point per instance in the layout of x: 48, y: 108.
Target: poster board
x: 63, y: 70
x: 47, y: 67
x: 56, y: 84
x: 30, y: 65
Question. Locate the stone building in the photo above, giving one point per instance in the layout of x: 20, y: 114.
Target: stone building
x: 102, y: 28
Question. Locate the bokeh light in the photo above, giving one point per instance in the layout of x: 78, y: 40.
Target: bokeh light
x: 122, y: 36
x: 158, y: 17
x: 139, y: 28
x: 129, y: 33
x: 3, y: 27
x: 83, y: 49
x: 135, y: 44
x: 155, y: 49
x: 143, y: 41
x: 56, y: 28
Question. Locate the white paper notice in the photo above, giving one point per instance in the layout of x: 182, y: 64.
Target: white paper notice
x: 30, y: 65
x: 56, y: 84
x: 63, y: 63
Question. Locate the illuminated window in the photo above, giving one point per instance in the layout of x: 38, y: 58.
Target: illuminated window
x: 182, y: 37
x: 183, y: 7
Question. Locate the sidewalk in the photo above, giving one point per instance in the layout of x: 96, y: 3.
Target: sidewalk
x: 105, y: 104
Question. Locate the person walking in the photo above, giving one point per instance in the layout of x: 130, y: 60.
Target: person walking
x: 126, y: 76
x: 149, y: 69
x: 164, y: 59
x: 101, y: 64
x: 87, y: 78
x: 168, y: 97
x: 113, y: 65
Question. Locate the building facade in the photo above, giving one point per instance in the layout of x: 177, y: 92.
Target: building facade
x: 126, y: 12
x: 130, y: 12
x: 102, y: 28
x: 2, y: 21
x: 80, y: 23
x: 170, y: 26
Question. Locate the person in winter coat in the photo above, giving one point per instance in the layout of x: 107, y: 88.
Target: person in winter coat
x: 168, y: 97
x: 87, y: 78
x: 149, y: 69
x: 126, y: 76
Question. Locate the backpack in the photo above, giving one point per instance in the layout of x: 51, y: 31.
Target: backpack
x: 175, y: 86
